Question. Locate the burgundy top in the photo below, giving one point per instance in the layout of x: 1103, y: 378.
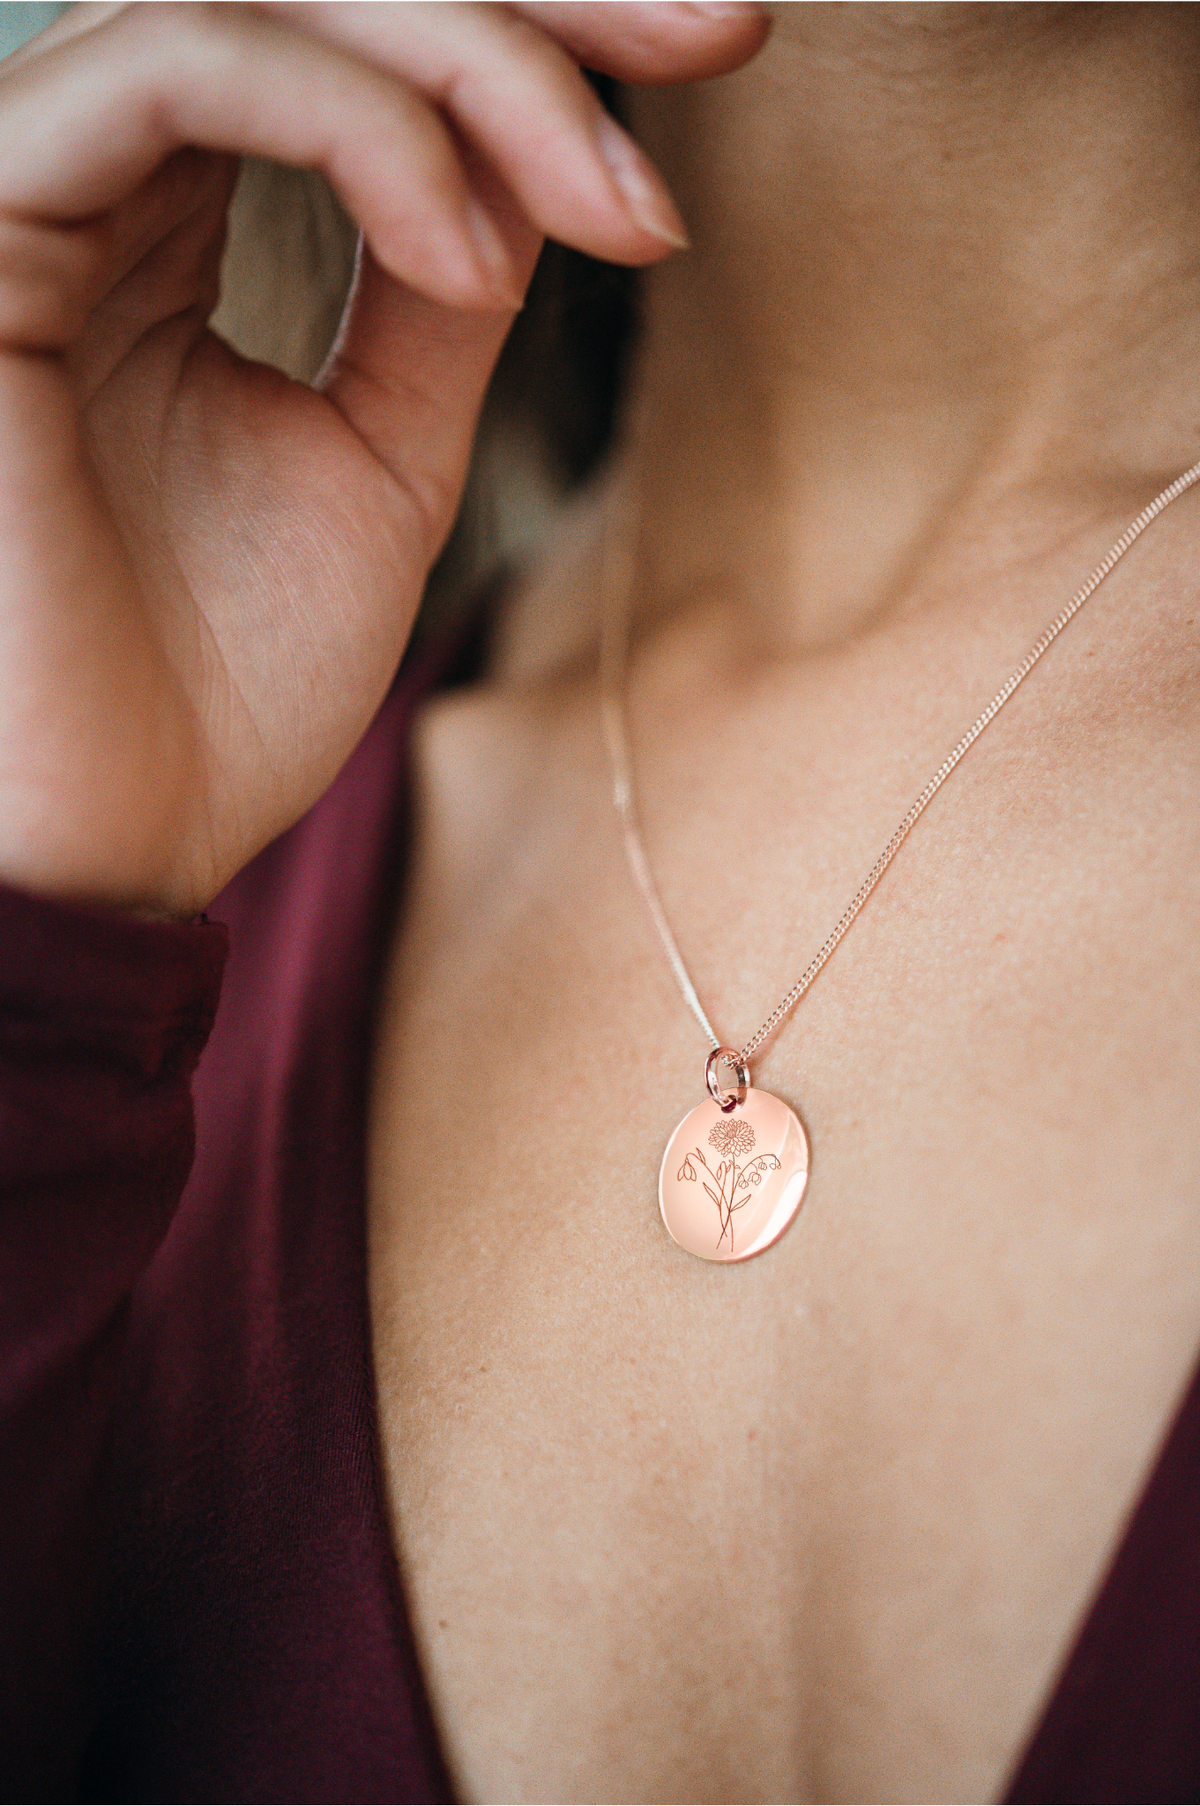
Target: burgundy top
x: 198, y: 1596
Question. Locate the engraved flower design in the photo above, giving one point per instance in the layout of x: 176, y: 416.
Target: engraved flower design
x: 733, y: 1138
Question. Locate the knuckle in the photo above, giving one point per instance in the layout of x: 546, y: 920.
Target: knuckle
x: 532, y: 45
x: 151, y: 30
x: 172, y: 42
x: 519, y: 52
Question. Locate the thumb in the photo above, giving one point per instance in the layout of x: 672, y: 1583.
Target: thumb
x: 408, y: 374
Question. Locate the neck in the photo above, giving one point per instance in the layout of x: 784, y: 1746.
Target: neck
x: 941, y: 313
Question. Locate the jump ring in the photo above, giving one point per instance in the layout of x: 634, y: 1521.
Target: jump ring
x: 726, y: 1056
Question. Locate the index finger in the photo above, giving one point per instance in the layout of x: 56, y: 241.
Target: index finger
x: 640, y: 41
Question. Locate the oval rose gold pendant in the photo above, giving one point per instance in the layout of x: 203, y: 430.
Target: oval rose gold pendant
x: 733, y: 1175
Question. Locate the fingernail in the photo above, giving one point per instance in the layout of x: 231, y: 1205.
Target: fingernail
x: 491, y: 255
x: 650, y: 206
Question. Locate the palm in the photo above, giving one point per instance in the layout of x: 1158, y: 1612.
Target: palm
x: 210, y: 572
x: 283, y: 563
x: 257, y: 556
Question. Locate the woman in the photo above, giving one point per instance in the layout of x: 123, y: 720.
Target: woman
x: 825, y: 1524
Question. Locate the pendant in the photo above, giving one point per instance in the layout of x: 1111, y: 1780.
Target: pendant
x: 735, y: 1169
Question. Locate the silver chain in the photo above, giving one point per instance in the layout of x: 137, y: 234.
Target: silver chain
x: 613, y: 654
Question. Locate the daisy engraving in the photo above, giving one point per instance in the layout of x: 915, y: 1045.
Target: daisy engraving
x: 732, y: 1140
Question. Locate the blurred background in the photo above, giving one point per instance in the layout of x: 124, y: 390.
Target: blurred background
x: 20, y: 22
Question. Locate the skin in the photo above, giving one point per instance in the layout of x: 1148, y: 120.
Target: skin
x: 822, y: 1526
x: 197, y: 656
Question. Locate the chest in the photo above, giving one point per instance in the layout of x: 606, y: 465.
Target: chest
x: 821, y: 1525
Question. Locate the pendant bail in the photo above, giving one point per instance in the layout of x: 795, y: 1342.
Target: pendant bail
x: 724, y: 1099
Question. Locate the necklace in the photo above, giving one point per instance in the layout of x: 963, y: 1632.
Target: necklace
x: 734, y: 1172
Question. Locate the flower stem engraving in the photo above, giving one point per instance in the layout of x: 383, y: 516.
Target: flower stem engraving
x: 732, y: 1137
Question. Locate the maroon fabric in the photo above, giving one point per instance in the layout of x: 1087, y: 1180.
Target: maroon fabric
x: 101, y: 1022
x: 198, y: 1597
x: 1124, y: 1721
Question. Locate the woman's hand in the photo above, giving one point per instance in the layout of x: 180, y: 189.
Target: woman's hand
x: 208, y: 572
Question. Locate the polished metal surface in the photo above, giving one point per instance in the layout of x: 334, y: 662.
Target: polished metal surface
x: 731, y: 1181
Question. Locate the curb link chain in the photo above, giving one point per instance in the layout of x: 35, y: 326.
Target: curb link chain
x: 613, y: 653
